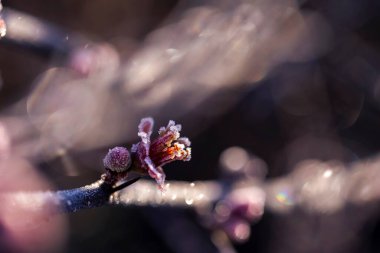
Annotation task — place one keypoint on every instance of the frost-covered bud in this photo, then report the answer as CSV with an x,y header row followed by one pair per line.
x,y
150,155
169,147
118,159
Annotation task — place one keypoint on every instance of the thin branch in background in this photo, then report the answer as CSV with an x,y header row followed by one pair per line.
x,y
320,189
125,184
176,194
30,32
304,188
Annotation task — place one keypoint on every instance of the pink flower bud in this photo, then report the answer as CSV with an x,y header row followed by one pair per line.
x,y
149,156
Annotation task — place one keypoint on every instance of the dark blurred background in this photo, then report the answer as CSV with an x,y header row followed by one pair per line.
x,y
302,84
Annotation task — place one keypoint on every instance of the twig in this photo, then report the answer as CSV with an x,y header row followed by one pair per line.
x,y
90,196
66,201
146,158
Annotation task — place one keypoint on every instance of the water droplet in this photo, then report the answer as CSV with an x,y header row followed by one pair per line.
x,y
192,185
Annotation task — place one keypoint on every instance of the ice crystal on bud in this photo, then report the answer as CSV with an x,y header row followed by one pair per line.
x,y
145,129
149,156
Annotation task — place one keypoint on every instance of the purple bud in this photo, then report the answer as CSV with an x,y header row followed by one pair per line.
x,y
118,159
